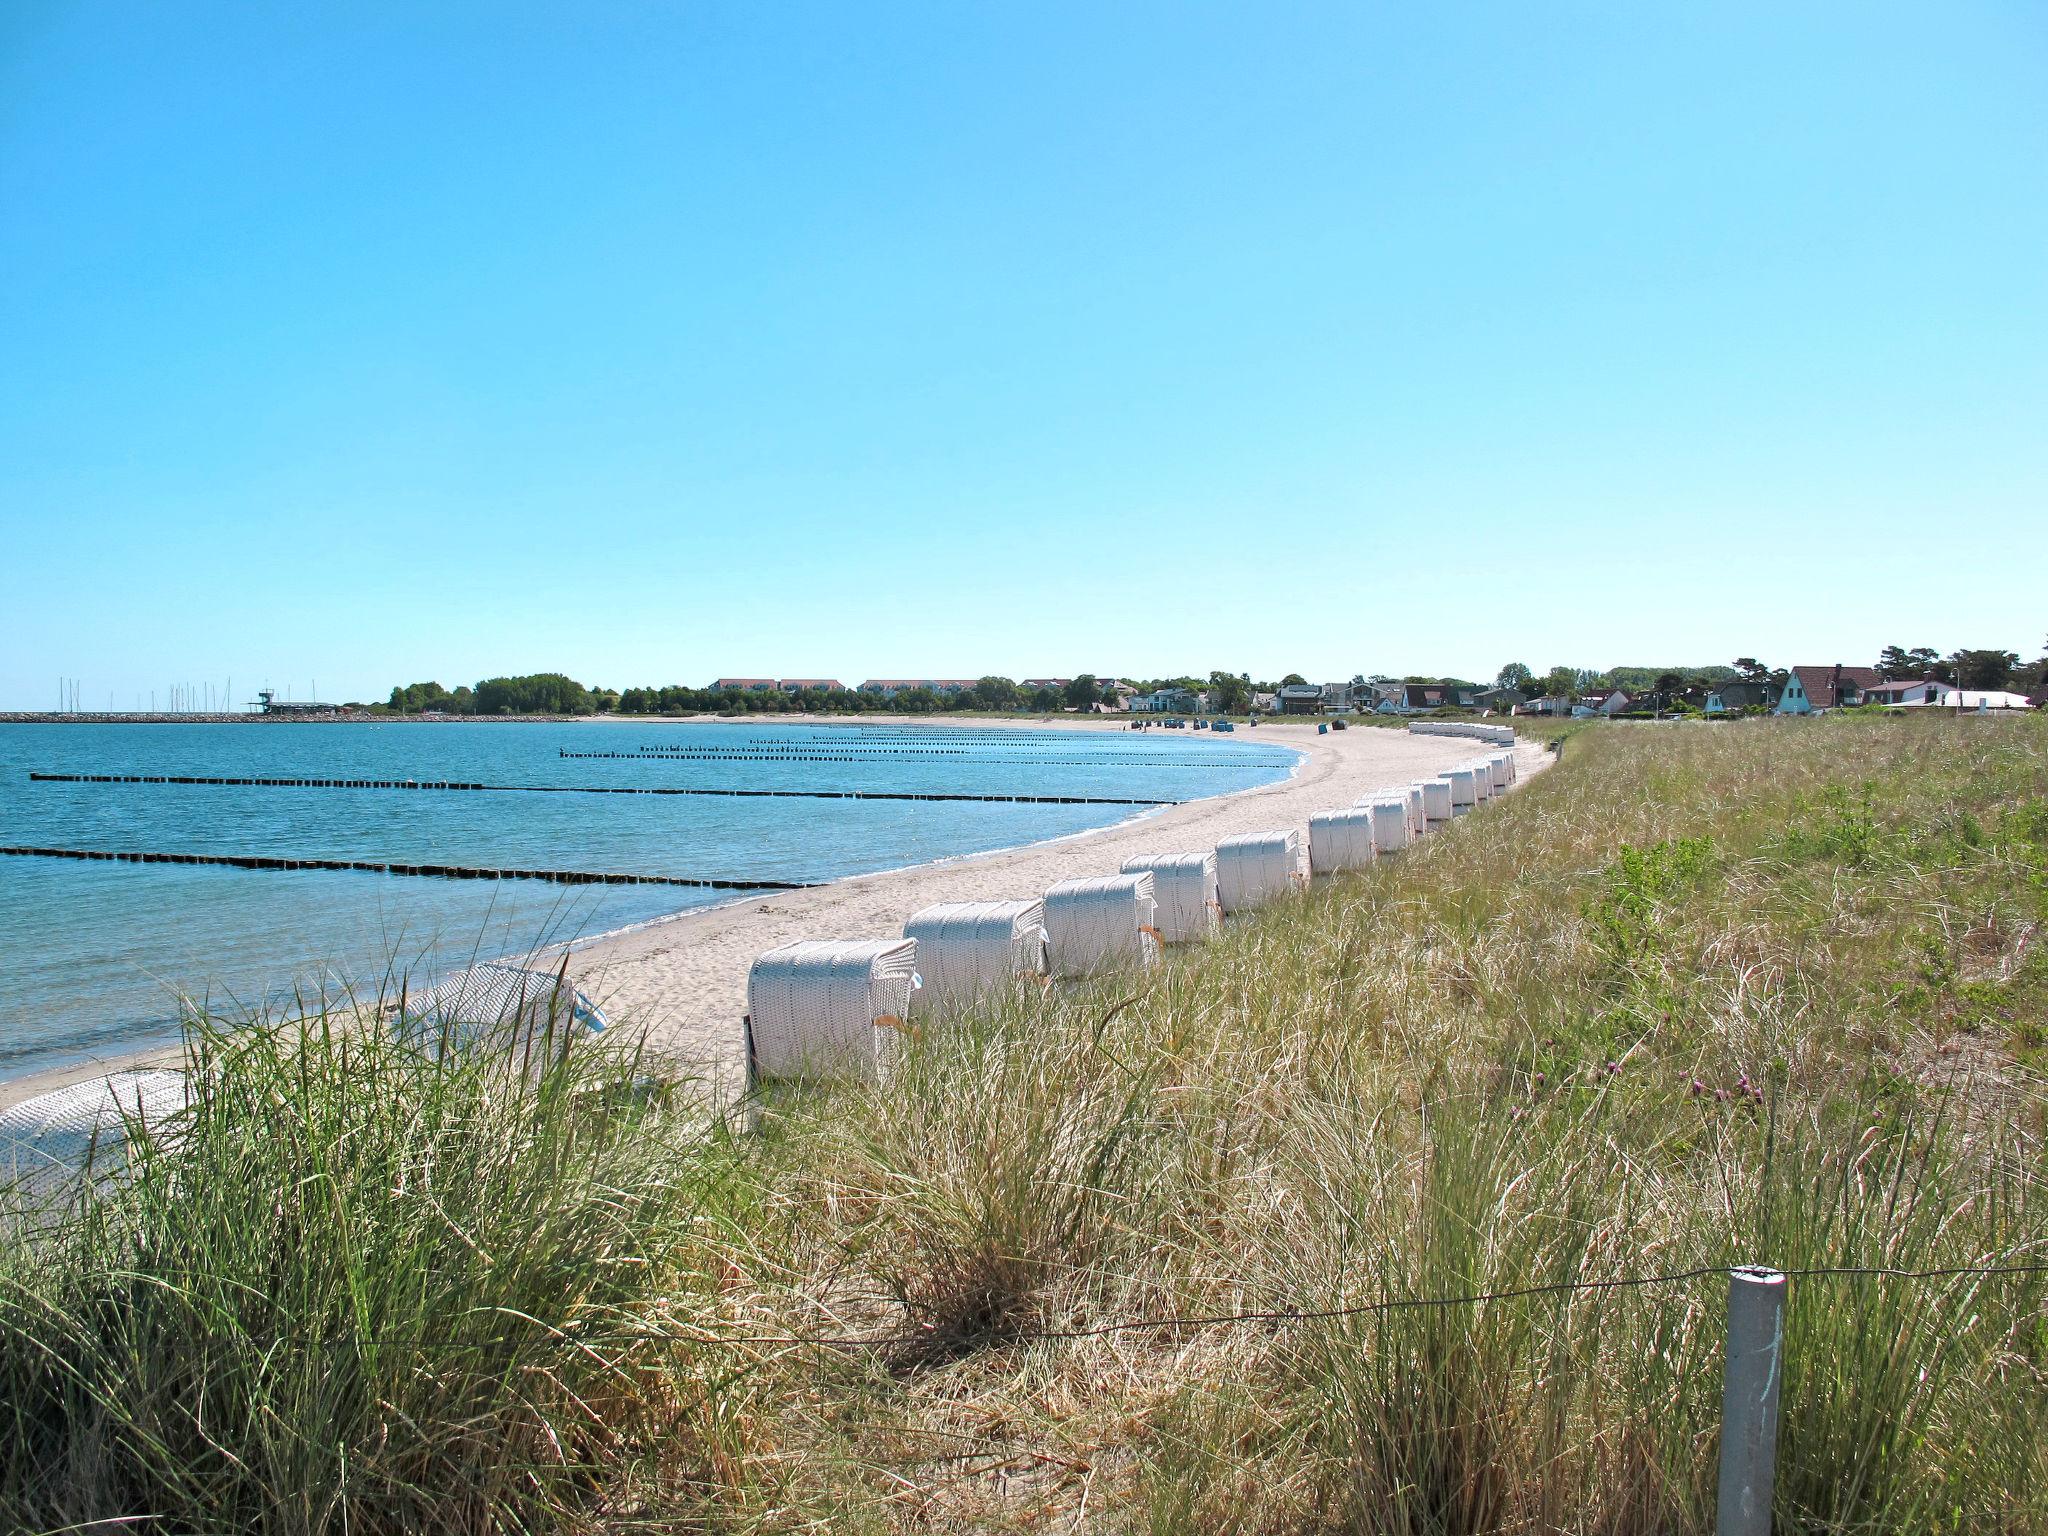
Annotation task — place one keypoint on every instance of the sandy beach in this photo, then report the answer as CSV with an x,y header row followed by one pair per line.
x,y
682,981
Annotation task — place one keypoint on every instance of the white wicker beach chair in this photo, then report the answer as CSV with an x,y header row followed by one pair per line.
x,y
969,949
1436,799
1500,767
1482,780
1464,792
1096,924
825,1009
1339,839
1418,813
1184,884
502,1004
1256,867
1390,830
46,1141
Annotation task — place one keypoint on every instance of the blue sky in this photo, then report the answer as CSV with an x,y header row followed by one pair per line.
x,y
375,343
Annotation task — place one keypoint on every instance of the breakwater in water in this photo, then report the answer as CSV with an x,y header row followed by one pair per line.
x,y
264,860
586,789
429,871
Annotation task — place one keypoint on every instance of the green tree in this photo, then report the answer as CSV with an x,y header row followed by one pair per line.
x,y
1230,694
1293,679
541,693
2032,677
1982,669
1513,675
1562,683
1752,670
414,697
1083,691
996,693
1044,700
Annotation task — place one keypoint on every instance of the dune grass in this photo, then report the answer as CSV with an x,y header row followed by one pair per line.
x,y
1770,992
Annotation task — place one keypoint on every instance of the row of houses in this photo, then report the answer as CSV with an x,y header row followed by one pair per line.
x,y
1805,690
890,687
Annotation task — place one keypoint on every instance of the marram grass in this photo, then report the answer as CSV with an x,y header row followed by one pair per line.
x,y
1701,995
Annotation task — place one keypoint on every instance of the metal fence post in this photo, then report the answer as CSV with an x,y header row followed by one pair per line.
x,y
1749,1400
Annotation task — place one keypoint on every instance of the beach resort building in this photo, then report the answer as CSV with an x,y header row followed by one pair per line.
x,y
944,687
813,684
744,685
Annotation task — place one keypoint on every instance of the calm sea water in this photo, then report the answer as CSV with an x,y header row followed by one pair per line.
x,y
94,957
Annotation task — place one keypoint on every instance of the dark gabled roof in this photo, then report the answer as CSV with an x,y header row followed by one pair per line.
x,y
1820,682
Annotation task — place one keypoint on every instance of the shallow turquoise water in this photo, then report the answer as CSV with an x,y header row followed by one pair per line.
x,y
94,956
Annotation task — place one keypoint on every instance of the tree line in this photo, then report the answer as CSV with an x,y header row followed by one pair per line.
x,y
552,693
1974,669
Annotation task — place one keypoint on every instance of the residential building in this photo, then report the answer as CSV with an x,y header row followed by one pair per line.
x,y
1434,696
1603,701
745,685
1735,695
1809,689
1924,691
1299,699
816,684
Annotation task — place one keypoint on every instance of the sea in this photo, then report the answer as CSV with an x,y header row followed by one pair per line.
x,y
99,958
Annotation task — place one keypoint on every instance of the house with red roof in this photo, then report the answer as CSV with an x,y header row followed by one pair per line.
x,y
1810,690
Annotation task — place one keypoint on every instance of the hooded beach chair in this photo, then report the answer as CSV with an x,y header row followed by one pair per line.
x,y
499,1004
47,1142
1339,839
1184,886
1101,923
824,1009
967,950
1256,867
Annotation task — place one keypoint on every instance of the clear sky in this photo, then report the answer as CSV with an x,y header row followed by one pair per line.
x,y
372,343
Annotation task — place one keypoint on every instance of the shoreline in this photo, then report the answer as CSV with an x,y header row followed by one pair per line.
x,y
677,981
43,1079
555,952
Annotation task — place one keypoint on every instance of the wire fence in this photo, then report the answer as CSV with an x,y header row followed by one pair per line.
x,y
686,1335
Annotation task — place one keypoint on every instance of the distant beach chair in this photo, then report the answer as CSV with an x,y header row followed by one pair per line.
x,y
967,950
495,1004
47,1141
1184,885
1339,839
1101,923
824,1009
1255,867
1501,769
